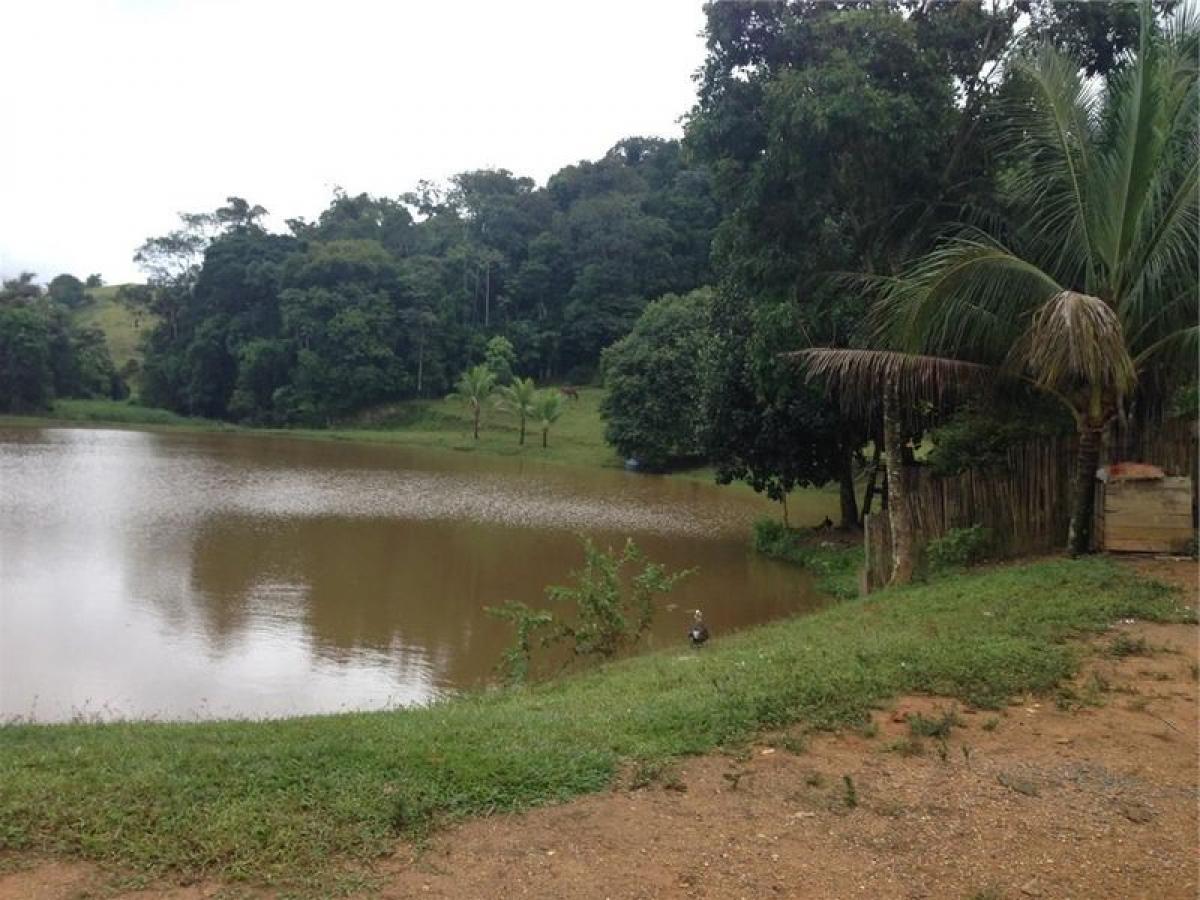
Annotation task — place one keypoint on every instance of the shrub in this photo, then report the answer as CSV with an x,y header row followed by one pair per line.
x,y
959,547
654,401
614,603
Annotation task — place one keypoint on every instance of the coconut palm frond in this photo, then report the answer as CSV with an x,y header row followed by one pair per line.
x,y
859,377
1129,157
1182,347
1051,131
967,298
1146,197
1076,339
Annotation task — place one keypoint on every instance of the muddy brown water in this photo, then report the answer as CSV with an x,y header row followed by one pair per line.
x,y
193,575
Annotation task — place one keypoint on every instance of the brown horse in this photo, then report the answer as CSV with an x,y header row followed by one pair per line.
x,y
569,392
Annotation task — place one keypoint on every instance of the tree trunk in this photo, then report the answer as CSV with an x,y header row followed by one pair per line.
x,y
545,431
1083,502
522,440
420,362
898,506
869,492
848,498
476,423
783,500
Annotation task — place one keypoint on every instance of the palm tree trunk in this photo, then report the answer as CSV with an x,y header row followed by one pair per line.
x,y
1083,501
545,431
522,440
476,423
898,506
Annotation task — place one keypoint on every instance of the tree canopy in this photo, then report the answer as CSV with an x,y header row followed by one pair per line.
x,y
381,299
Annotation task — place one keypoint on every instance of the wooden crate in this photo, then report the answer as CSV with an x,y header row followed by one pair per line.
x,y
1147,515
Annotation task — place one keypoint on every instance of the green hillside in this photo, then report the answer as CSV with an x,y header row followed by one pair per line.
x,y
123,328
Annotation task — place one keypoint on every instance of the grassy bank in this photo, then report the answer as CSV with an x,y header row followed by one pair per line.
x,y
834,558
294,801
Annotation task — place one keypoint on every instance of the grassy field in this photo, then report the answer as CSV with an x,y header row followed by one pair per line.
x,y
123,329
303,801
577,438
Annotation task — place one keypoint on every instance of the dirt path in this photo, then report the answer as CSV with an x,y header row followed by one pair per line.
x,y
1092,794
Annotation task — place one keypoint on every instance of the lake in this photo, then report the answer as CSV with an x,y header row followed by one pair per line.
x,y
207,575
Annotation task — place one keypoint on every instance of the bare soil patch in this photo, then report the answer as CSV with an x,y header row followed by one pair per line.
x,y
1092,793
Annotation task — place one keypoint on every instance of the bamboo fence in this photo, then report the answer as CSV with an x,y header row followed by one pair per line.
x,y
1025,504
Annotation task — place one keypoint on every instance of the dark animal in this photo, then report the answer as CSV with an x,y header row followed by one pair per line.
x,y
698,633
827,525
569,392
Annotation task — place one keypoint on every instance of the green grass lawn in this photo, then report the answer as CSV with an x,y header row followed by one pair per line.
x,y
577,438
296,801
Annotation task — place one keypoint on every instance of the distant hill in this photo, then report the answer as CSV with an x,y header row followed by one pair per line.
x,y
122,327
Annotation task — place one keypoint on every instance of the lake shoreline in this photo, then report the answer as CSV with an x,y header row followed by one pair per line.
x,y
302,801
434,425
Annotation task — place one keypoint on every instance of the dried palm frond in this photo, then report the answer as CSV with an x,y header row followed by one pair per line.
x,y
1075,339
859,377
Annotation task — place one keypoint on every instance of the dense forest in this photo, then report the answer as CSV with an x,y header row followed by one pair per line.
x,y
42,353
830,145
382,299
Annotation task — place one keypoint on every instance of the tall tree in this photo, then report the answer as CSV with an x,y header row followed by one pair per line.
x,y
1089,292
840,135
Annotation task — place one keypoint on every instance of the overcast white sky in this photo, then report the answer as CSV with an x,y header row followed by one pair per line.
x,y
120,113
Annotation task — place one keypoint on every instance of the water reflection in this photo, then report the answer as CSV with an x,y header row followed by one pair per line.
x,y
177,576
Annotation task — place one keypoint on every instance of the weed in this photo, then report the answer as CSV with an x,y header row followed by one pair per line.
x,y
734,778
1138,704
943,749
1018,783
959,547
987,893
411,815
814,779
796,745
991,723
869,729
907,746
1066,699
939,727
645,773
849,792
1124,645
1095,686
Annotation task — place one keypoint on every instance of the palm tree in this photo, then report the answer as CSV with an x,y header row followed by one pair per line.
x,y
519,397
1090,295
547,409
474,387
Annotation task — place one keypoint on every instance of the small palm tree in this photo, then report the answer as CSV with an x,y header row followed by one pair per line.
x,y
473,389
519,398
1090,293
547,409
